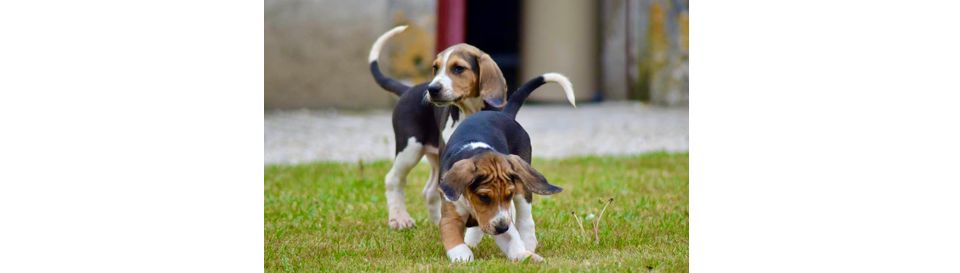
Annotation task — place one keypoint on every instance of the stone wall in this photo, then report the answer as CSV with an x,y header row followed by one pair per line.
x,y
315,51
645,51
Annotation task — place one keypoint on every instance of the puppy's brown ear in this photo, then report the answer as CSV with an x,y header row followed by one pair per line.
x,y
457,179
492,85
532,180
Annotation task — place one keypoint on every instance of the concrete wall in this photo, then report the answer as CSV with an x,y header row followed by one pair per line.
x,y
560,36
315,52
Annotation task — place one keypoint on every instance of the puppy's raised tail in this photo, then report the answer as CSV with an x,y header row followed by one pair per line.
x,y
389,84
518,97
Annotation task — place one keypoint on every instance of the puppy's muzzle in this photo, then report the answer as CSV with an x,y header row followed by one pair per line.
x,y
500,225
500,229
434,90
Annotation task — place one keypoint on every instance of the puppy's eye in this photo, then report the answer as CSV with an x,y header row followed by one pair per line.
x,y
484,198
514,177
457,69
435,69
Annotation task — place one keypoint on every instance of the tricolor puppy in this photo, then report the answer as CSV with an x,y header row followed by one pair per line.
x,y
487,173
465,78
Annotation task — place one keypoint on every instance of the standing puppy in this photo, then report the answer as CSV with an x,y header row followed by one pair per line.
x,y
465,78
486,171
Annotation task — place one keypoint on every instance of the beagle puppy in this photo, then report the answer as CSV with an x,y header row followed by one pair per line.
x,y
466,81
488,182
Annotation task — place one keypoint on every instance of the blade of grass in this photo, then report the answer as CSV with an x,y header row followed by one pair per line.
x,y
596,224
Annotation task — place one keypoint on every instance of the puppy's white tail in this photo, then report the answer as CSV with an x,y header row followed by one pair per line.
x,y
386,83
517,98
378,45
564,83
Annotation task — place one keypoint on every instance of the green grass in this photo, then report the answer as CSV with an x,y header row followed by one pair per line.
x,y
332,217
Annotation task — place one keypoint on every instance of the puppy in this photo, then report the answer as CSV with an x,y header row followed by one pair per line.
x,y
487,173
466,80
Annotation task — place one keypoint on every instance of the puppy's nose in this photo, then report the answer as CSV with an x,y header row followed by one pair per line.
x,y
501,229
434,89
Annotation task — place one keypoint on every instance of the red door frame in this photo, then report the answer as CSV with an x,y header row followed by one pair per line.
x,y
451,23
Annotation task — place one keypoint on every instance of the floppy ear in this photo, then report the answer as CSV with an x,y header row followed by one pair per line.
x,y
532,180
492,85
457,179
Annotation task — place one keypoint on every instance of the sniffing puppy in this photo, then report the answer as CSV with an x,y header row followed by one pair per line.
x,y
487,173
466,79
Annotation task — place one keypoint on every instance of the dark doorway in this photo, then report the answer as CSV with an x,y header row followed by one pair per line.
x,y
494,27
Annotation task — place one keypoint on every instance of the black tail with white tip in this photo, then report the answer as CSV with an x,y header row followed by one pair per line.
x,y
389,84
518,97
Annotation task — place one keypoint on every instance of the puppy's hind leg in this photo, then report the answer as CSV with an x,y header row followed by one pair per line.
x,y
396,179
430,193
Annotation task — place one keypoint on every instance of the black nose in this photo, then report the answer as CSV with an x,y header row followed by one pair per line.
x,y
434,89
501,229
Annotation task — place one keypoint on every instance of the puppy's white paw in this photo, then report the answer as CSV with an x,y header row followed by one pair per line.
x,y
460,253
530,242
528,255
401,220
536,258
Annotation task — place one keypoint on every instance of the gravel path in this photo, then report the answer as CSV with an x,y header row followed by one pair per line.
x,y
613,128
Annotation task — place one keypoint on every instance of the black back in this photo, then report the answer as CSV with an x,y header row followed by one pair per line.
x,y
415,117
496,129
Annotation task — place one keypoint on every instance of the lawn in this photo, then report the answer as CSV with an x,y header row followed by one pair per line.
x,y
332,217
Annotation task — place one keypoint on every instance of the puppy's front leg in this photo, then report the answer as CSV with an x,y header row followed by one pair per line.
x,y
524,222
473,236
451,232
512,246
